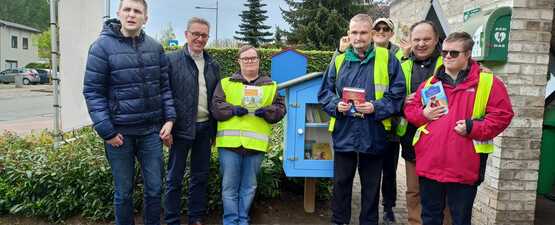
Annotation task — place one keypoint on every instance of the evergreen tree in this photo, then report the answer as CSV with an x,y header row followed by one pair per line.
x,y
319,25
33,13
252,29
278,37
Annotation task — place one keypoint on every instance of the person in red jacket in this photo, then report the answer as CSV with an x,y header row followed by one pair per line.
x,y
447,161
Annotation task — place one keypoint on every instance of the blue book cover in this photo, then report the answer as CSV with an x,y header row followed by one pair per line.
x,y
436,95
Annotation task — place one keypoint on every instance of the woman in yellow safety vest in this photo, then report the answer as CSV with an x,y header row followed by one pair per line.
x,y
245,105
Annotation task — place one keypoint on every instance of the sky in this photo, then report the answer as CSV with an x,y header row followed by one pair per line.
x,y
177,12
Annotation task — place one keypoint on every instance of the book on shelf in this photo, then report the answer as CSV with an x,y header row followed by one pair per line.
x,y
308,149
309,115
316,115
321,151
435,96
324,116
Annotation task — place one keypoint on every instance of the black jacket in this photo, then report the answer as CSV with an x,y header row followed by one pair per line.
x,y
126,84
183,74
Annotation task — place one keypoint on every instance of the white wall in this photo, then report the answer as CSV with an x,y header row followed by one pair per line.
x,y
80,24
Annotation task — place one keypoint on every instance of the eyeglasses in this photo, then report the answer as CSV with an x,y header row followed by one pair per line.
x,y
198,34
380,29
249,59
452,53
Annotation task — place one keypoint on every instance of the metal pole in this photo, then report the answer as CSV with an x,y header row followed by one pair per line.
x,y
217,7
55,77
213,8
106,10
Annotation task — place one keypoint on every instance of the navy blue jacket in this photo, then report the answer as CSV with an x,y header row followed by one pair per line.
x,y
126,84
183,74
364,135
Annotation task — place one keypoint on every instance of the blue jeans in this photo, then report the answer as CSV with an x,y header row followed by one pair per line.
x,y
148,151
239,173
460,198
200,168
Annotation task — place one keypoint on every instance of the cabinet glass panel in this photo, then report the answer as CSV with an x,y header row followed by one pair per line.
x,y
317,143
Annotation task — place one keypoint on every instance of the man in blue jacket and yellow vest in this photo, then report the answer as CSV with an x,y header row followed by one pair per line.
x,y
245,106
359,128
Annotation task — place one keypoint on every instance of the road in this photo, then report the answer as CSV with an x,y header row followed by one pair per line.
x,y
25,109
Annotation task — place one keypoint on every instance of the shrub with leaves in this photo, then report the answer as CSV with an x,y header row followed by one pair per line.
x,y
37,181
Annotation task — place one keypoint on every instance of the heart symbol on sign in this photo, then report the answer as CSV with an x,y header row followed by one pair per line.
x,y
500,36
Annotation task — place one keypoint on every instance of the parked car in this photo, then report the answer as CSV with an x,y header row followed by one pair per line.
x,y
44,75
30,76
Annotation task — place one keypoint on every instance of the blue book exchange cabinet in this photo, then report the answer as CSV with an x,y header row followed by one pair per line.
x,y
308,150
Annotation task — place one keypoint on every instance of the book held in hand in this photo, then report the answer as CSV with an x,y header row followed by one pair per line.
x,y
353,96
252,98
435,96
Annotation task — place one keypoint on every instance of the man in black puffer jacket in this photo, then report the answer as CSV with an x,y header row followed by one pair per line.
x,y
193,78
127,91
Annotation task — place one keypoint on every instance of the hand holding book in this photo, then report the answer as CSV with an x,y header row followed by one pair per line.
x,y
433,111
343,106
365,107
433,96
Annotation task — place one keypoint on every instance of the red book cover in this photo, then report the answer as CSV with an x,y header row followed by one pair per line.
x,y
353,95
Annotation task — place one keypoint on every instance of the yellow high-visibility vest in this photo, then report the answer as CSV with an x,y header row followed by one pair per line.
x,y
483,91
249,131
381,79
399,54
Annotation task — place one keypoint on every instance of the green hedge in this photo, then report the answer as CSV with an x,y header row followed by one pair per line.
x,y
38,66
36,181
76,180
227,58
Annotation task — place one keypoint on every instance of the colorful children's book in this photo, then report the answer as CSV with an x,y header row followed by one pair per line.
x,y
252,98
435,95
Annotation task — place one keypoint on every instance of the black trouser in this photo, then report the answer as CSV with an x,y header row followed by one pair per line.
x,y
460,198
389,179
370,169
199,149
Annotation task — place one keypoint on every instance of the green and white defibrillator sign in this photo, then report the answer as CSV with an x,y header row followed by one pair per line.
x,y
490,31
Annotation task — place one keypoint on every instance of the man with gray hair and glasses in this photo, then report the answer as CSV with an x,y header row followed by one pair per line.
x,y
193,78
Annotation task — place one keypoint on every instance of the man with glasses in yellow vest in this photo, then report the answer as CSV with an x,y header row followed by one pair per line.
x,y
453,140
359,128
246,104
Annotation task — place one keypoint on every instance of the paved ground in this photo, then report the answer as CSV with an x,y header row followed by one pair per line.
x,y
23,110
545,208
